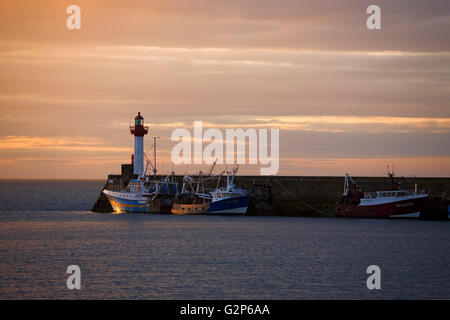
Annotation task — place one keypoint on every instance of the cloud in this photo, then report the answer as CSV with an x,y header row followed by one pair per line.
x,y
60,144
355,124
321,24
203,80
350,124
409,166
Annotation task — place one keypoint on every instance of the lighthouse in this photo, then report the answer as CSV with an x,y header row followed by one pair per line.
x,y
139,131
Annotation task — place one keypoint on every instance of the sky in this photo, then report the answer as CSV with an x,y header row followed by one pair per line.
x,y
345,98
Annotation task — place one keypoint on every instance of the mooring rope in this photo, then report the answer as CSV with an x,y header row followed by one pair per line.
x,y
304,203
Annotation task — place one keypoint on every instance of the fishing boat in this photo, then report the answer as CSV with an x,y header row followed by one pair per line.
x,y
143,193
194,197
192,201
394,202
231,199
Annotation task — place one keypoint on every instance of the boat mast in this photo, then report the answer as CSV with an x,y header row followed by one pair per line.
x,y
154,156
346,185
235,170
347,181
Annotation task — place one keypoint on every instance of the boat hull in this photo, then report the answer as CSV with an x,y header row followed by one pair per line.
x,y
230,206
409,208
162,204
190,209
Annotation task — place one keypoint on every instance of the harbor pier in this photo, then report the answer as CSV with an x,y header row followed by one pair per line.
x,y
313,196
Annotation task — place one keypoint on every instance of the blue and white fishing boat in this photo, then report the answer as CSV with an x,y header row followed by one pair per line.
x,y
143,193
229,200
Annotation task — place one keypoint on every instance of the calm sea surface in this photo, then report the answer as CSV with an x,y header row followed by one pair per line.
x,y
46,226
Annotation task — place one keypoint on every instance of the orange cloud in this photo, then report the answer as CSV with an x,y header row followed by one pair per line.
x,y
63,144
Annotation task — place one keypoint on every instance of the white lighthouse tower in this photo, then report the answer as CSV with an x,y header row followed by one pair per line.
x,y
139,131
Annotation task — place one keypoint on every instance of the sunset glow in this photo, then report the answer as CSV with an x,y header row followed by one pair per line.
x,y
344,98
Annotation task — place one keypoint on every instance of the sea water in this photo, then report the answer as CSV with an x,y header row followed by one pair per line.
x,y
45,226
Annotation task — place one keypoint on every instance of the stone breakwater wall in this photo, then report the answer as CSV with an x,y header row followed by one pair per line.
x,y
316,196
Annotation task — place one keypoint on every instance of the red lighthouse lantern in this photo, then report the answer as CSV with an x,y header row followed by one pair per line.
x,y
138,129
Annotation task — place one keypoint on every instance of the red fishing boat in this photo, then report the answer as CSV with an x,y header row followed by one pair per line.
x,y
395,202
